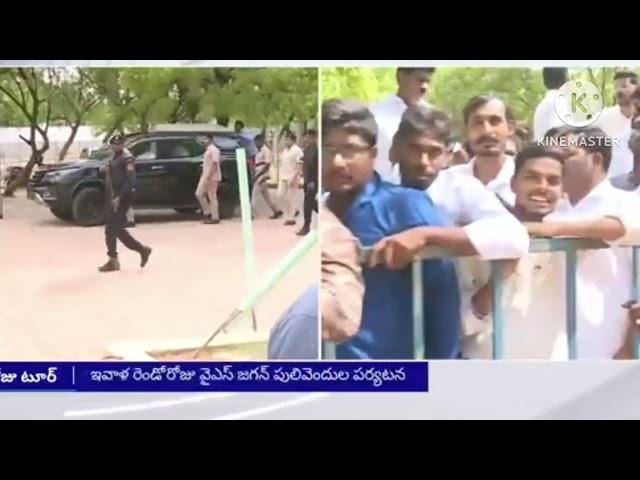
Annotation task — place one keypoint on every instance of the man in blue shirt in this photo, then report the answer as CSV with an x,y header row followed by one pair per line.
x,y
373,209
295,336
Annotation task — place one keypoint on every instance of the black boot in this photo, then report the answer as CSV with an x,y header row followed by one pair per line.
x,y
144,256
303,231
112,265
276,215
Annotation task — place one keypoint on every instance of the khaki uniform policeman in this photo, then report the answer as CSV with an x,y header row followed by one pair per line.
x,y
207,191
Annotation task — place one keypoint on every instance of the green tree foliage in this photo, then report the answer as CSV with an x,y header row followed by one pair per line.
x,y
29,91
367,84
520,88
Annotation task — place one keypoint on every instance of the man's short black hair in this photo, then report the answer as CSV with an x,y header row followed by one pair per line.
x,y
632,76
428,70
591,139
352,116
420,119
478,101
536,150
117,140
290,135
552,132
209,136
311,131
554,77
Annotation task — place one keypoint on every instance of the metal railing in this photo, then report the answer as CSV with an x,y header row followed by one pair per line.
x,y
570,247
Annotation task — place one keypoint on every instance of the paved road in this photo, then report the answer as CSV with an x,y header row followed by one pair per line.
x,y
56,306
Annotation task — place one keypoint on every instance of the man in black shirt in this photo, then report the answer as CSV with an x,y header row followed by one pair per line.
x,y
120,182
310,175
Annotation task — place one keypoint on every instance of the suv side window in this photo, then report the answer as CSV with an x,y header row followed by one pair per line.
x,y
144,150
179,148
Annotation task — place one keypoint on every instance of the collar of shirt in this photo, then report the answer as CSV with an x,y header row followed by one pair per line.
x,y
603,191
368,192
501,184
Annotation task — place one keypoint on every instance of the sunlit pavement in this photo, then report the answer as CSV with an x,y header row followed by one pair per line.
x,y
54,305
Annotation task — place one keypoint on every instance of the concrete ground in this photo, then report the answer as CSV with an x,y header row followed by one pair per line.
x,y
55,305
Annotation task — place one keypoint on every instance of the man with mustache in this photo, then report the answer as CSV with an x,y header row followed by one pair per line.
x,y
616,122
413,87
489,125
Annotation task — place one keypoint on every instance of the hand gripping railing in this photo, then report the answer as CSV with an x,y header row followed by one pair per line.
x,y
569,246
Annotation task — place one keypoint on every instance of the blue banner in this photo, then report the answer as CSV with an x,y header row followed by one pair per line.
x,y
215,376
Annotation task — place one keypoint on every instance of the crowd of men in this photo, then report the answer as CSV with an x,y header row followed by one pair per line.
x,y
395,184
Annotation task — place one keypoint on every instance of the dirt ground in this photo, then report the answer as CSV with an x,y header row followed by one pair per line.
x,y
55,305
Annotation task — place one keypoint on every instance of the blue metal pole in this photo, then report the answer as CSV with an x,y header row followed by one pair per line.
x,y
498,314
570,294
328,350
418,311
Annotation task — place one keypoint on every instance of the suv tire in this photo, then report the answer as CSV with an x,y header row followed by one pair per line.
x,y
186,210
88,207
61,214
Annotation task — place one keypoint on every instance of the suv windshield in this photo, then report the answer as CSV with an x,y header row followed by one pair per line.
x,y
102,153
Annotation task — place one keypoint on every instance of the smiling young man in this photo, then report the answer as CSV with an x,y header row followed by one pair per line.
x,y
373,209
533,291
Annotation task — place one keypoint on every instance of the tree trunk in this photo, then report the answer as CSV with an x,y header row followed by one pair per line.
x,y
69,142
23,178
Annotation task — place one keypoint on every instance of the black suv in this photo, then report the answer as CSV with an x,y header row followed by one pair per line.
x,y
168,167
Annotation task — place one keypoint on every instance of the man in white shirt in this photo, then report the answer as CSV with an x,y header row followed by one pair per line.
x,y
604,276
413,86
489,125
210,178
545,116
290,168
616,122
261,176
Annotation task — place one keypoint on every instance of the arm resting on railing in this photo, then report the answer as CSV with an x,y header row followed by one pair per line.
x,y
608,229
399,250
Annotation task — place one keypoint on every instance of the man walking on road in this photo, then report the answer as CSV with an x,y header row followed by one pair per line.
x,y
289,175
120,181
261,181
310,175
207,191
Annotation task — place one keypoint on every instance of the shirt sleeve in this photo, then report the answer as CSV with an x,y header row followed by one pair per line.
x,y
295,335
492,229
342,284
625,208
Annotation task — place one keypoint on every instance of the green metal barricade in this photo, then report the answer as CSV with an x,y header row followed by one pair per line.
x,y
570,246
